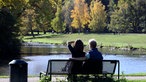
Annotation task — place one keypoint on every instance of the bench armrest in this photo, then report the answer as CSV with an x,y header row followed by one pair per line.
x,y
42,74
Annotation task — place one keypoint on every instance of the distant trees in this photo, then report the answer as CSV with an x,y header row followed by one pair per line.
x,y
122,16
57,23
98,16
44,14
66,11
80,14
129,16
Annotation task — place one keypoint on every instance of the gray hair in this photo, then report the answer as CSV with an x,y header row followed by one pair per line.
x,y
92,43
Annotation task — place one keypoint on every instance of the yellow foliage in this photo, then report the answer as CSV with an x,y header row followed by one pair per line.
x,y
80,14
98,15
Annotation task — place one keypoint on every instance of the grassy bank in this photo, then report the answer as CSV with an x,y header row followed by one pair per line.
x,y
122,40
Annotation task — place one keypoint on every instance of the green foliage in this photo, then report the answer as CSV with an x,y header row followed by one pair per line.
x,y
9,41
44,14
45,79
123,16
15,6
66,10
129,16
57,23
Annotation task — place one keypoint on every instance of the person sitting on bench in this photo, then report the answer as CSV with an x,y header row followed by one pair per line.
x,y
93,63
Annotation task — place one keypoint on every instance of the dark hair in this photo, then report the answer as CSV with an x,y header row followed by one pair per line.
x,y
79,46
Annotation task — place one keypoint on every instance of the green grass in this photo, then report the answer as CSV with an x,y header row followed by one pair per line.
x,y
122,40
4,76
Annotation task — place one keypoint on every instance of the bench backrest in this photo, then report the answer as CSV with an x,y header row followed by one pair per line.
x,y
62,66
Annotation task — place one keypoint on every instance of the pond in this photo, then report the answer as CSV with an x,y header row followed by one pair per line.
x,y
128,64
37,57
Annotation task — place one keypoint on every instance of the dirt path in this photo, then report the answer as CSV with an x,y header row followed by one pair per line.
x,y
36,79
136,77
31,79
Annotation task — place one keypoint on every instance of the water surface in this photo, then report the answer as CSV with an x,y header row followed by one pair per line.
x,y
128,64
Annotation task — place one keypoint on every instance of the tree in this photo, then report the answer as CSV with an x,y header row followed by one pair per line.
x,y
137,17
10,43
37,16
129,16
118,21
66,10
44,14
80,14
98,16
28,23
16,6
57,23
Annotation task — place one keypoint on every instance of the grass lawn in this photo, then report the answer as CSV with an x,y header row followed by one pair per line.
x,y
122,40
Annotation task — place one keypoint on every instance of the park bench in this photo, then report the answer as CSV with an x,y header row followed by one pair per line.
x,y
56,66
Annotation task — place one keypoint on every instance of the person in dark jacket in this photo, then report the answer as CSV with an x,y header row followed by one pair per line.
x,y
93,65
77,50
93,54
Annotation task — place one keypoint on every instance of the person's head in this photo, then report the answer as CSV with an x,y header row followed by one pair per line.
x,y
92,43
79,46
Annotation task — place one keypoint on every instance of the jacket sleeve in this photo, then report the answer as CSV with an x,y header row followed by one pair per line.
x,y
71,48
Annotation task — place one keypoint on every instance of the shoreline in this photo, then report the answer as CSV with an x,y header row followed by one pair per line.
x,y
99,46
107,48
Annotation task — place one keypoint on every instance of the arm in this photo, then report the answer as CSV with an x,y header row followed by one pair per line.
x,y
80,58
70,44
87,56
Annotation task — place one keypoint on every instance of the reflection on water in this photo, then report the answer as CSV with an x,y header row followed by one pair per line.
x,y
49,49
41,50
128,64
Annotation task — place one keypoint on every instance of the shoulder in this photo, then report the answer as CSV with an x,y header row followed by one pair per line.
x,y
87,55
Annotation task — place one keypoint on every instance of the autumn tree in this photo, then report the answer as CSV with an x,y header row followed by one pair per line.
x,y
66,10
98,16
80,14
